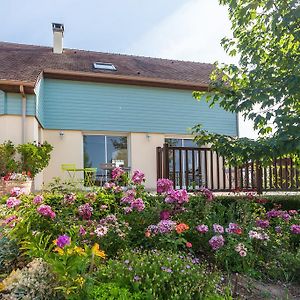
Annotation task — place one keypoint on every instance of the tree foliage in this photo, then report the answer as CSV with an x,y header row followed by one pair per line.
x,y
265,86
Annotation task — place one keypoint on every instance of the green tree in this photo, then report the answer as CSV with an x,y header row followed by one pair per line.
x,y
265,86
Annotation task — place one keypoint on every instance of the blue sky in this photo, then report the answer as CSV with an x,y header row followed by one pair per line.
x,y
175,29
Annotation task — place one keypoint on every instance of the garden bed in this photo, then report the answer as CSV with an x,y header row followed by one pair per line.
x,y
119,242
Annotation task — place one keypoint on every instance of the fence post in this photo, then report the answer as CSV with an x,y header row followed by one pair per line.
x,y
158,162
259,180
166,161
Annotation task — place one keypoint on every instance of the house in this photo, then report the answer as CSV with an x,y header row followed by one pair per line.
x,y
100,107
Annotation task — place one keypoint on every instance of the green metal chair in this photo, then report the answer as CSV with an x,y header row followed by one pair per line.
x,y
90,176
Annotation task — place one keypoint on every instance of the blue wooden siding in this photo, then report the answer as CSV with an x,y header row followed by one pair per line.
x,y
110,107
11,104
2,100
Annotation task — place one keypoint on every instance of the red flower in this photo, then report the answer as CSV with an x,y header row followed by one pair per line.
x,y
189,245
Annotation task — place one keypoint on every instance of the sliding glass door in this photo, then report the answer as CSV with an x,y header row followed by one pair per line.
x,y
101,149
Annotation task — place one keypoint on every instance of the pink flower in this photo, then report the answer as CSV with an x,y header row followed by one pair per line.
x,y
189,245
38,199
207,194
243,253
293,212
101,230
82,231
262,223
127,210
202,228
216,242
46,211
16,192
138,204
218,228
85,211
116,173
12,202
233,228
177,197
129,196
165,215
69,198
164,185
11,220
138,177
295,229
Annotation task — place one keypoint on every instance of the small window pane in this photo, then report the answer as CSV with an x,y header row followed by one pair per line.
x,y
117,150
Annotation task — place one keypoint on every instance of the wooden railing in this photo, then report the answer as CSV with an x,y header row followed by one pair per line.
x,y
195,168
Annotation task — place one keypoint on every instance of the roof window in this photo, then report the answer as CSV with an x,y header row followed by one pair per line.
x,y
104,66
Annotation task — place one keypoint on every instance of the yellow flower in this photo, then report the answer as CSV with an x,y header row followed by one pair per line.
x,y
79,250
54,242
96,251
59,250
2,287
80,280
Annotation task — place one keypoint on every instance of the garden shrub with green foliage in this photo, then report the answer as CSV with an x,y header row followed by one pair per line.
x,y
86,240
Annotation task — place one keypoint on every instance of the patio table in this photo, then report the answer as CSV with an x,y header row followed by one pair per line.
x,y
89,174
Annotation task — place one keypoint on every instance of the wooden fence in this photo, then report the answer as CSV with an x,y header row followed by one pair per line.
x,y
195,168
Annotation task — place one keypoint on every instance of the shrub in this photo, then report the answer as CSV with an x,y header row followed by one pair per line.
x,y
8,255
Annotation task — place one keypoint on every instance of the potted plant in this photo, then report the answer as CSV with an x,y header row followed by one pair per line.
x,y
21,164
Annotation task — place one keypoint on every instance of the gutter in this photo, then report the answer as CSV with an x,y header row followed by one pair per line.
x,y
23,113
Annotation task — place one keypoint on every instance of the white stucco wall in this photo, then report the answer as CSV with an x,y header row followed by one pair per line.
x,y
68,149
143,155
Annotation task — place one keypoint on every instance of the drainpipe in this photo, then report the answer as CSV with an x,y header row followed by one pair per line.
x,y
23,114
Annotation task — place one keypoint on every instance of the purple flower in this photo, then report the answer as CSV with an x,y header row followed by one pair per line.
x,y
153,229
110,219
258,235
262,223
69,198
116,173
274,213
138,177
177,197
286,217
63,240
164,185
38,199
202,228
218,228
295,229
46,211
85,211
166,226
216,242
129,197
165,215
12,202
136,278
278,229
293,212
127,210
233,228
138,204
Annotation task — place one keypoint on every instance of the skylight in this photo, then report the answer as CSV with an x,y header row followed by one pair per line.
x,y
104,66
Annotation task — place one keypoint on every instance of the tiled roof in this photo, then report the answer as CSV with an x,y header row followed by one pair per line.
x,y
24,63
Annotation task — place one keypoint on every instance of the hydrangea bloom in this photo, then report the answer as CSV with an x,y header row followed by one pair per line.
x,y
218,228
129,196
216,242
38,199
253,234
101,230
85,211
12,202
138,177
138,204
69,198
116,173
262,223
166,226
63,240
295,229
164,185
46,211
164,215
202,228
177,197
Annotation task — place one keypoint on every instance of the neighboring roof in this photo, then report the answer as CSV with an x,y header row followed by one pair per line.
x,y
24,63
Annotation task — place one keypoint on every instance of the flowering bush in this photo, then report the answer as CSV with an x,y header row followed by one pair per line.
x,y
84,233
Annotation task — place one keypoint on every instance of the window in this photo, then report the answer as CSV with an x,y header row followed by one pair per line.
x,y
104,66
180,142
100,149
